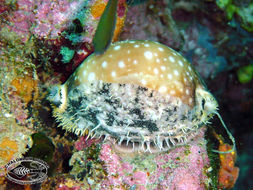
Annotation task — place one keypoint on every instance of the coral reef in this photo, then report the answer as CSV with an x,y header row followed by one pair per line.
x,y
15,140
47,19
18,87
61,26
182,168
41,44
103,167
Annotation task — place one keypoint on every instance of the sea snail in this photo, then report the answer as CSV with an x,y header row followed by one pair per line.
x,y
140,93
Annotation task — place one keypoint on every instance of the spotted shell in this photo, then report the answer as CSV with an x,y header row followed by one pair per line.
x,y
139,93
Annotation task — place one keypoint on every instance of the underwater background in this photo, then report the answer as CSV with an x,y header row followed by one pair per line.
x,y
42,42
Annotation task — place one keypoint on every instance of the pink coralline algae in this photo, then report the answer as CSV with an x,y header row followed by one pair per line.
x,y
55,16
83,143
42,18
120,173
183,168
184,175
48,19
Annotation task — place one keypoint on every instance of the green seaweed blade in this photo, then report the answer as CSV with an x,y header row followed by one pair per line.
x,y
105,29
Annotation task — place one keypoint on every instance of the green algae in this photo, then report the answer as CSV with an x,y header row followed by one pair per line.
x,y
245,74
67,54
244,12
105,29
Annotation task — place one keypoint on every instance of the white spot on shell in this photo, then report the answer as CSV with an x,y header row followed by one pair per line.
x,y
163,68
84,72
172,59
143,81
176,72
117,47
160,49
156,71
187,92
135,62
104,64
169,76
146,45
113,73
180,63
121,64
162,89
136,45
148,55
91,76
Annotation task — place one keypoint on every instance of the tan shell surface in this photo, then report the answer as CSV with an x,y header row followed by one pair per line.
x,y
148,64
